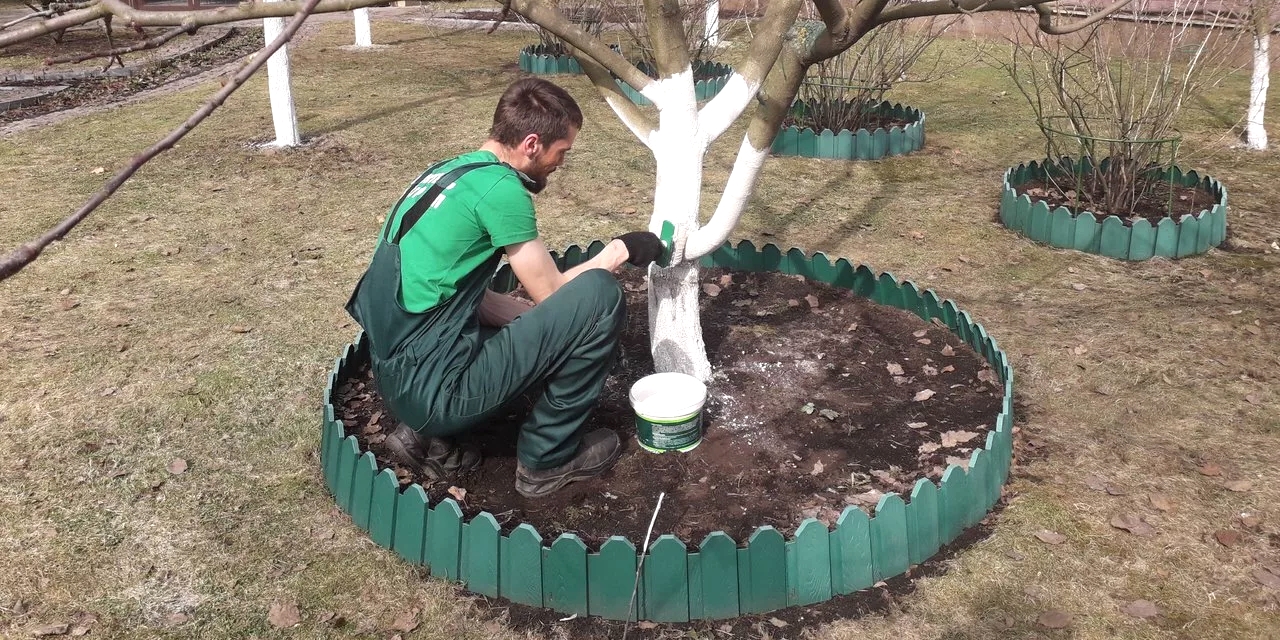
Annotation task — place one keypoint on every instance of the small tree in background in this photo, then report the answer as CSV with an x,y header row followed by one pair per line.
x,y
1114,92
1260,22
843,92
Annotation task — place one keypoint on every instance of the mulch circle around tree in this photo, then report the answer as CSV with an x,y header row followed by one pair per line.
x,y
820,400
101,90
1155,203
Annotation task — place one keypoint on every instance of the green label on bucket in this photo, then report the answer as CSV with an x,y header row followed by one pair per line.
x,y
669,436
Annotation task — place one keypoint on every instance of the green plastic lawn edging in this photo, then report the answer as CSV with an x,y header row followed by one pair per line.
x,y
1109,236
854,145
718,578
716,75
537,59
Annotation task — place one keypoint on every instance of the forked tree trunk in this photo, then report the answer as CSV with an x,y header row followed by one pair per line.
x,y
1255,133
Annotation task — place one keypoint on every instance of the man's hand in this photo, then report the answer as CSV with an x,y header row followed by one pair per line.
x,y
643,247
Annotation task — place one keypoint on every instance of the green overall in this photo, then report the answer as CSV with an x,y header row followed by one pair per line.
x,y
441,374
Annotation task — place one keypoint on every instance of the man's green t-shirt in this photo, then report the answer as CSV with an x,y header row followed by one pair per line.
x,y
486,209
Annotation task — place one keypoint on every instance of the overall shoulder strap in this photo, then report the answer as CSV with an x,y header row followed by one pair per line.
x,y
420,207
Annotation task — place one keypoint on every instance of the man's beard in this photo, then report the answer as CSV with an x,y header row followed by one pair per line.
x,y
535,184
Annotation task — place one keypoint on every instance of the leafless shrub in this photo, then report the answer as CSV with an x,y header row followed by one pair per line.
x,y
1114,91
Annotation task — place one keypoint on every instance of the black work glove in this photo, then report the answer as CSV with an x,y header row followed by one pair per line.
x,y
643,247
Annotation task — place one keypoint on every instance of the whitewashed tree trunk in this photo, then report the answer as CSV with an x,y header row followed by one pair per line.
x,y
712,24
364,33
282,113
1255,133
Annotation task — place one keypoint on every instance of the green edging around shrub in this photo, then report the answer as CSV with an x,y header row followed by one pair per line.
x,y
1109,236
536,59
717,578
716,74
850,145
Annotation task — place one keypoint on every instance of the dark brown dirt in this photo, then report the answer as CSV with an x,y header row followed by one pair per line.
x,y
869,122
104,90
805,417
1158,199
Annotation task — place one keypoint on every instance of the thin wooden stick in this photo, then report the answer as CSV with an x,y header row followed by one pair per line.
x,y
626,625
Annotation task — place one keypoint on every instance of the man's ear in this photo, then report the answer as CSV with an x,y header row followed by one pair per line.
x,y
531,145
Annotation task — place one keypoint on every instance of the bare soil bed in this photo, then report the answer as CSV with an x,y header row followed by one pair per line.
x,y
1158,199
821,400
105,89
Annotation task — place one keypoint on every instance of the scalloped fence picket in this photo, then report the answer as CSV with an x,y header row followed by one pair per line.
x,y
717,579
855,145
1109,236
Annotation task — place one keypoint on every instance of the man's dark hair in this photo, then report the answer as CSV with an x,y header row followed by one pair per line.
x,y
534,105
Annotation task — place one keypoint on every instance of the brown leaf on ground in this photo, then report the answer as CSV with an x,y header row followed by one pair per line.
x,y
1055,619
812,300
1253,398
1095,483
1227,537
921,333
1078,287
869,498
406,621
174,619
726,280
929,370
1050,537
55,629
1160,501
948,351
988,376
917,425
1266,578
817,468
1250,521
923,395
1141,609
963,463
777,622
711,289
1133,524
948,369
894,369
953,438
284,615
177,466
1239,486
239,328
458,493
929,447
1210,469
67,304
645,624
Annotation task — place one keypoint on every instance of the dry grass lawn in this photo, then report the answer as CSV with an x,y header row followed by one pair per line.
x,y
195,315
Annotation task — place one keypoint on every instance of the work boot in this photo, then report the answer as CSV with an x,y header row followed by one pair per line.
x,y
433,458
596,453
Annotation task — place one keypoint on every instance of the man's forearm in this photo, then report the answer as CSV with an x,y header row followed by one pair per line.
x,y
497,310
610,259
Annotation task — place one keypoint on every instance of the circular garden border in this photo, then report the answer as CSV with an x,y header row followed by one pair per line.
x,y
717,579
716,74
859,145
1109,236
535,59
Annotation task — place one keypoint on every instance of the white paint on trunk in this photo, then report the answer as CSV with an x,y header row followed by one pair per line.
x,y
675,328
364,32
617,104
738,189
282,113
672,92
723,109
1255,133
711,28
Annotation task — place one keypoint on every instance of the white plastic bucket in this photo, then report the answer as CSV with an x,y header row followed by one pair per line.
x,y
668,409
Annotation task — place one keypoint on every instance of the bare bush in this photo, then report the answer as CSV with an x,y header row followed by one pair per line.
x,y
1114,91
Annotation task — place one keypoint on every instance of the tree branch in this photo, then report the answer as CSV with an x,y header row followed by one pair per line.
x,y
149,43
27,253
242,11
551,19
666,32
60,23
749,75
629,112
1047,26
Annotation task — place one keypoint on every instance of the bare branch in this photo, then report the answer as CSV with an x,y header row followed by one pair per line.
x,y
631,114
60,23
833,14
551,19
742,88
27,253
666,33
837,38
1047,26
149,43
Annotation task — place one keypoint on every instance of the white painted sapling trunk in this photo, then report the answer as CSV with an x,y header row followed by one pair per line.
x,y
364,33
1255,135
679,147
282,113
711,24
